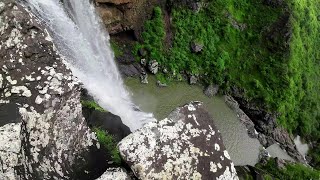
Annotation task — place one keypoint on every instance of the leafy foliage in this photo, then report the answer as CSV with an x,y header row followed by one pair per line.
x,y
153,36
109,144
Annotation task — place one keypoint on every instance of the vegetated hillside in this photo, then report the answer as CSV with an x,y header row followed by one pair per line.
x,y
269,48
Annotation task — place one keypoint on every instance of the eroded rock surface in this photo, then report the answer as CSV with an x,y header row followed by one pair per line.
x,y
124,15
186,145
43,134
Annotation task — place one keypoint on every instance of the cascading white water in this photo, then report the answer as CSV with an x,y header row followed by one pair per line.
x,y
79,35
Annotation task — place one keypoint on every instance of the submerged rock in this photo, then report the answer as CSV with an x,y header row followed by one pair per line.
x,y
144,78
45,136
186,145
160,84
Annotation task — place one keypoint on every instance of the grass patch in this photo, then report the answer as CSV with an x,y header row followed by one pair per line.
x,y
108,142
92,105
290,172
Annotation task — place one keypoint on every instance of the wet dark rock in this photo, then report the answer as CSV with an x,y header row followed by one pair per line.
x,y
211,90
107,121
186,145
153,66
250,172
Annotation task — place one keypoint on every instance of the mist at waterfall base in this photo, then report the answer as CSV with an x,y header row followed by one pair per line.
x,y
80,37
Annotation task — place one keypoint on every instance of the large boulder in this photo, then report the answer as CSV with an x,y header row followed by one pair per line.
x,y
43,134
186,145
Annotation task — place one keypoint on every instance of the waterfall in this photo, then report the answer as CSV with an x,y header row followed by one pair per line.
x,y
81,38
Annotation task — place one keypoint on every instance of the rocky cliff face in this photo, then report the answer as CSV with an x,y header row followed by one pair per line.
x,y
43,134
123,15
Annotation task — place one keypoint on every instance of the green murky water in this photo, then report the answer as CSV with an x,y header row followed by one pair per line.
x,y
161,101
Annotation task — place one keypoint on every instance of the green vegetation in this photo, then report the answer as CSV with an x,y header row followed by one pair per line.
x,y
246,45
315,155
92,105
116,49
290,171
153,36
109,144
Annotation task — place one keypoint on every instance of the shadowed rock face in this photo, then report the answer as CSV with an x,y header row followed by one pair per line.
x,y
43,134
186,145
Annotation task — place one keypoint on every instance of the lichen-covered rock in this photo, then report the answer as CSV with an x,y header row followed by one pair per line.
x,y
43,134
114,174
186,145
153,66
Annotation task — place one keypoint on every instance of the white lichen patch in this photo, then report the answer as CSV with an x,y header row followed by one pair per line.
x,y
21,90
213,167
216,147
226,154
12,82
